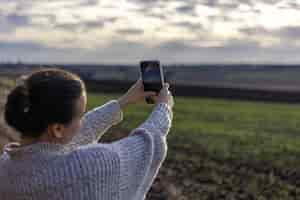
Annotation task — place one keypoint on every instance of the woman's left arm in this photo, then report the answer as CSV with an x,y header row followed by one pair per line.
x,y
96,122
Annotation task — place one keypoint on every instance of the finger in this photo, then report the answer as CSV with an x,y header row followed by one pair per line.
x,y
166,85
140,80
149,94
139,83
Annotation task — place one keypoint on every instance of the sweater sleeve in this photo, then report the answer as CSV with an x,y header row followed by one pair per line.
x,y
96,122
142,152
158,124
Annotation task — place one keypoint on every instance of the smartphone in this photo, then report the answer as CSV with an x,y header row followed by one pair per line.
x,y
152,76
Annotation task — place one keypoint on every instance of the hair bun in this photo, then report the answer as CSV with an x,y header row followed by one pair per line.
x,y
17,107
31,108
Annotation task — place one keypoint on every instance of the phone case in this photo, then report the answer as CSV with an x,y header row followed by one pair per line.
x,y
149,100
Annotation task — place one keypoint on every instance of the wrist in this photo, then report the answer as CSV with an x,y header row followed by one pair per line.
x,y
123,102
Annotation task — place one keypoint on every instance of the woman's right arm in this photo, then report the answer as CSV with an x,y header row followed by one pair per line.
x,y
144,150
158,125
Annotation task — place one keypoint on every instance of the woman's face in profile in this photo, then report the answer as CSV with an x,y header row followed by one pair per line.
x,y
72,128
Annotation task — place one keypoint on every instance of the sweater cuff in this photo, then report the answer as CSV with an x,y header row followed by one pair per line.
x,y
159,121
165,108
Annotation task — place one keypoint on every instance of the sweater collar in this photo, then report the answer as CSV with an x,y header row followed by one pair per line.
x,y
15,149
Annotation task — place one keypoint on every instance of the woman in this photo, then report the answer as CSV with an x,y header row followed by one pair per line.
x,y
59,158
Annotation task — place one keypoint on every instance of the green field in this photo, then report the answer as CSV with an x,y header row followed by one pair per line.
x,y
224,148
226,128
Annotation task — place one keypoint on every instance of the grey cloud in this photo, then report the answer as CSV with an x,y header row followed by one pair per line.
x,y
68,26
189,25
211,3
51,18
111,19
10,22
172,45
145,1
186,9
18,20
86,25
170,51
81,3
272,2
291,32
254,30
20,46
220,18
33,52
287,32
93,24
161,16
176,51
233,51
217,4
146,6
294,5
148,11
89,3
230,46
82,26
130,31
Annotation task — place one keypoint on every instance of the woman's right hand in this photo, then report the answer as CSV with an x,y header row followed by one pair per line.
x,y
165,96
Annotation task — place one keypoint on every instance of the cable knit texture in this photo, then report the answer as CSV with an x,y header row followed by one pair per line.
x,y
84,169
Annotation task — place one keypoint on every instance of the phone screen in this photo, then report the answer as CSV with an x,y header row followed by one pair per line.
x,y
151,75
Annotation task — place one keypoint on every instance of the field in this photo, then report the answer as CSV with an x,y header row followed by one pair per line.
x,y
223,148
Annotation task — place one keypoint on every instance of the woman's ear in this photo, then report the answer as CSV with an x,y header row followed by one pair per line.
x,y
56,130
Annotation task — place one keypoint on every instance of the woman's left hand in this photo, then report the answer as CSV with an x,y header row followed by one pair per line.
x,y
135,94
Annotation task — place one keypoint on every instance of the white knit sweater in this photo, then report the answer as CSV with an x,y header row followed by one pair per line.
x,y
84,169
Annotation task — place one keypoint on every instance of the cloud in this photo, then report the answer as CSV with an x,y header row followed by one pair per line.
x,y
86,25
130,31
287,32
186,9
176,51
189,25
227,5
20,46
174,30
293,5
259,30
291,32
18,20
89,3
10,22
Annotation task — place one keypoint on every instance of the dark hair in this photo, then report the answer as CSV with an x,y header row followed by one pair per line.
x,y
45,97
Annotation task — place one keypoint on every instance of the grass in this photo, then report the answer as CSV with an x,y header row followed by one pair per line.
x,y
225,129
6,82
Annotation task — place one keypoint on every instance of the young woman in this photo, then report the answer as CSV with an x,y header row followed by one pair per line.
x,y
59,158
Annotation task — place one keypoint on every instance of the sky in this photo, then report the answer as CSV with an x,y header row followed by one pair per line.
x,y
127,31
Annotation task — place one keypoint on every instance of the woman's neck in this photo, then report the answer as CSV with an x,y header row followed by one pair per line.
x,y
32,140
28,141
